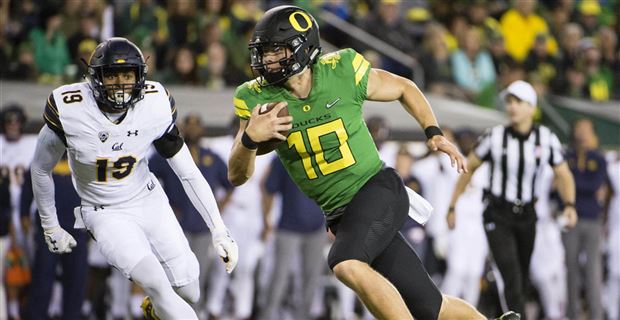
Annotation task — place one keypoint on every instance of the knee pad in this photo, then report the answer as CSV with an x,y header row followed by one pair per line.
x,y
189,292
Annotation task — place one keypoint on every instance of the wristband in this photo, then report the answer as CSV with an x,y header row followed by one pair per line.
x,y
247,142
451,209
432,131
569,205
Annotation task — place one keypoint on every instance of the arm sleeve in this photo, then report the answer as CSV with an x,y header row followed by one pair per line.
x,y
48,151
196,187
170,143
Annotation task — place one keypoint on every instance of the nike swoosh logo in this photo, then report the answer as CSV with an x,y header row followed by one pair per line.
x,y
331,104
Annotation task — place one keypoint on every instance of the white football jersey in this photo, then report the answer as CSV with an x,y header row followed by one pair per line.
x,y
109,161
15,158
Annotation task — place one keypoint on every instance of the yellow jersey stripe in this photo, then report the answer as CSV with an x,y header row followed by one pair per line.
x,y
51,106
245,114
357,61
240,104
359,74
51,121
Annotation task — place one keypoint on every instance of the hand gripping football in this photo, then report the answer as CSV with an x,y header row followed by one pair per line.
x,y
270,145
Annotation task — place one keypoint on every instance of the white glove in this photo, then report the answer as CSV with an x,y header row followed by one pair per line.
x,y
58,240
226,247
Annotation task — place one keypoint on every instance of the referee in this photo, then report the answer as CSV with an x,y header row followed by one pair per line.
x,y
516,154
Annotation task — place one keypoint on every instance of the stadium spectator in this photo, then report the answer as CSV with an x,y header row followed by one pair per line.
x,y
599,77
610,55
23,66
51,54
387,24
559,16
88,30
437,65
478,15
213,67
182,23
540,65
472,65
589,11
184,70
520,25
145,22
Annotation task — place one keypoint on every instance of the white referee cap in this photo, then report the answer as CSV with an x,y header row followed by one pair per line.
x,y
522,90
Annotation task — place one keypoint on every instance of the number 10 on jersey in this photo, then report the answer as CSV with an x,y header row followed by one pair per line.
x,y
296,140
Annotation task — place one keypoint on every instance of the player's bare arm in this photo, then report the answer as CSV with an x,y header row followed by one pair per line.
x,y
566,188
385,86
242,158
473,163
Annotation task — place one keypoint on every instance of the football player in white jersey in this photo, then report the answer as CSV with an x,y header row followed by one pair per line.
x,y
16,152
107,125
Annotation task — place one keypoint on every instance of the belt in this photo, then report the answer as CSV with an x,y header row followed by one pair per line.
x,y
517,207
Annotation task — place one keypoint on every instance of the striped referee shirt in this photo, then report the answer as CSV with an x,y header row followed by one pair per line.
x,y
516,159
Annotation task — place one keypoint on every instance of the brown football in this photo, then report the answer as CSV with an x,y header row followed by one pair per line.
x,y
270,145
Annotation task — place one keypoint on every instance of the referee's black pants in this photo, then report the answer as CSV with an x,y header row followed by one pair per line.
x,y
511,232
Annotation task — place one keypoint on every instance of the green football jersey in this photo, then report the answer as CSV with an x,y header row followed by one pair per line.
x,y
329,153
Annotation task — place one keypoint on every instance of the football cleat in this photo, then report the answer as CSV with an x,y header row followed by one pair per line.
x,y
148,310
510,315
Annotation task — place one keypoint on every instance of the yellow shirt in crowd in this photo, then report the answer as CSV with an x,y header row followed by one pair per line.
x,y
520,32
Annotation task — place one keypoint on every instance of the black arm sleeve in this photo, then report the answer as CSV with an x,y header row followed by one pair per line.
x,y
52,118
170,143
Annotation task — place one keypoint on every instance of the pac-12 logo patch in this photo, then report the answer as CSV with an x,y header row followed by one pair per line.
x,y
103,136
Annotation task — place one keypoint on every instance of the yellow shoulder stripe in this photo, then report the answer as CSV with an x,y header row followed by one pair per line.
x,y
357,61
241,108
49,103
51,121
360,65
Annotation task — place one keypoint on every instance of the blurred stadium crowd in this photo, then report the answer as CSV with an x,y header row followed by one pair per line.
x,y
466,49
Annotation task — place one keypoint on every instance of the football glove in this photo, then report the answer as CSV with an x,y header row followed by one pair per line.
x,y
58,240
226,247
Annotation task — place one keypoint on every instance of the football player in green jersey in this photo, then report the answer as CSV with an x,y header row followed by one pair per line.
x,y
331,156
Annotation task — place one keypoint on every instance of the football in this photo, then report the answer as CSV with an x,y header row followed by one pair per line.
x,y
270,145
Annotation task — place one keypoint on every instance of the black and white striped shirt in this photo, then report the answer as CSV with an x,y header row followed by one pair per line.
x,y
516,159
